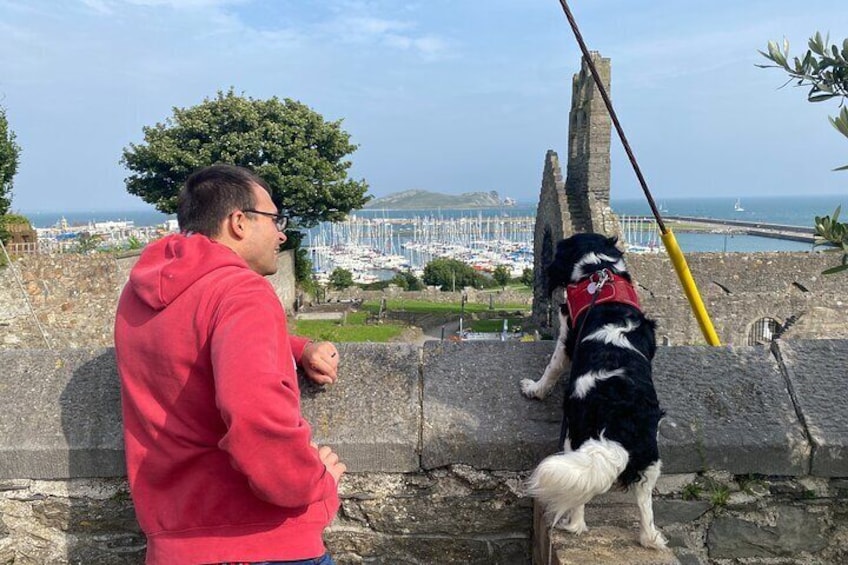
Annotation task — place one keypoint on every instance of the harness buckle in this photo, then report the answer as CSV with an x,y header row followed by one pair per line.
x,y
598,280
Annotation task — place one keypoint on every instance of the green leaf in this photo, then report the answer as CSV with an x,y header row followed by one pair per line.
x,y
834,270
820,97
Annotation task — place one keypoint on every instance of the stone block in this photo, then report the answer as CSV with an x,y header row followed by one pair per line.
x,y
601,545
793,531
360,546
727,408
60,414
474,412
372,415
817,373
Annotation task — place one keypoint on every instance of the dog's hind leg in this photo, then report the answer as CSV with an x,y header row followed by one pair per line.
x,y
649,537
556,367
576,521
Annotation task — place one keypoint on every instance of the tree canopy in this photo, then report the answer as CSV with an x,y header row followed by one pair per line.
x,y
9,154
300,156
451,274
341,278
502,275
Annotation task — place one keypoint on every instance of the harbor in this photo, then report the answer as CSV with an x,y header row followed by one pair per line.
x,y
376,248
376,244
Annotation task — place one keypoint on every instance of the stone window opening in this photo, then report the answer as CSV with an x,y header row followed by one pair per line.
x,y
764,331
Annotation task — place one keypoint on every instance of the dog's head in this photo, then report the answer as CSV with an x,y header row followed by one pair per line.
x,y
582,254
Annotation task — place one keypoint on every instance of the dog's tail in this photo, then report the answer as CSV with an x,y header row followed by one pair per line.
x,y
565,481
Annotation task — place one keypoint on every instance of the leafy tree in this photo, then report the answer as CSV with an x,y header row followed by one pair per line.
x,y
341,278
451,274
302,157
830,231
7,220
400,281
502,275
88,242
9,154
407,281
824,69
134,243
527,278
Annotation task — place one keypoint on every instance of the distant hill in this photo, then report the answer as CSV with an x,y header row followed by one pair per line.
x,y
417,199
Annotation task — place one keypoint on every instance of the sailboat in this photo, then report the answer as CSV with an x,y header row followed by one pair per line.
x,y
738,206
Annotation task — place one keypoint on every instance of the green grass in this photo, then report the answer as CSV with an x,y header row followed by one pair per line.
x,y
423,306
692,491
353,329
720,496
332,331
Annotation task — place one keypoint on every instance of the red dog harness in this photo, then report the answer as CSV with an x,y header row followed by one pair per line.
x,y
608,287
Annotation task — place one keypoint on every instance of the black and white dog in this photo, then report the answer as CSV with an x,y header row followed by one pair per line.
x,y
610,412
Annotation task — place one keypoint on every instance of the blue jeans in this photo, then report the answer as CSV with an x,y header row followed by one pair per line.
x,y
323,560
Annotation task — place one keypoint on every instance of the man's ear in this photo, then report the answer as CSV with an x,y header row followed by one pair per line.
x,y
236,224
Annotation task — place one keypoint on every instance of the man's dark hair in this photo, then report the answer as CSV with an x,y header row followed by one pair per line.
x,y
212,193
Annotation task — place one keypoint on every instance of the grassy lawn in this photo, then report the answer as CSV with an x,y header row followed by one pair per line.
x,y
422,306
519,287
354,329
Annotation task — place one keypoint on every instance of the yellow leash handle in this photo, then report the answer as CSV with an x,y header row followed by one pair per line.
x,y
689,288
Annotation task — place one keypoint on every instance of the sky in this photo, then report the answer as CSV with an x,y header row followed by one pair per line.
x,y
444,95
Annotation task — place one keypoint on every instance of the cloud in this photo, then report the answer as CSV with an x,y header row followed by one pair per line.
x,y
110,6
429,46
392,33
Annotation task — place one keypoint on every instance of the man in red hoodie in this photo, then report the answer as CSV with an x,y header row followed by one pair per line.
x,y
220,461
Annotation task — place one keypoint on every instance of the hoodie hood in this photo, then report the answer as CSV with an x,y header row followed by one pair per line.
x,y
170,265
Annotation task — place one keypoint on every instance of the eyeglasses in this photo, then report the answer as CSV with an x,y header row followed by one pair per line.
x,y
280,220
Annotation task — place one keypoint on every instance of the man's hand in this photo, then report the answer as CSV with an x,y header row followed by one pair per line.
x,y
331,461
320,362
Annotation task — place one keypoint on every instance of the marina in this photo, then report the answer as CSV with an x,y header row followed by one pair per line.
x,y
376,248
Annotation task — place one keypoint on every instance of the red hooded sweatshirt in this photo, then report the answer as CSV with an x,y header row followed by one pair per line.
x,y
218,455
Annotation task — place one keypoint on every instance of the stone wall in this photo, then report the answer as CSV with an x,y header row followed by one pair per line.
x,y
553,223
73,298
738,289
439,441
433,294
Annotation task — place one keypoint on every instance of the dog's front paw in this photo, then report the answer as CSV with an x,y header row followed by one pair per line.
x,y
530,388
652,539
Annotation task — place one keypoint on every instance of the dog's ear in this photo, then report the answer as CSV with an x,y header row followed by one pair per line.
x,y
612,241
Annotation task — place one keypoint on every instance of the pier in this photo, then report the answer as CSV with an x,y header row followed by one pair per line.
x,y
760,229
